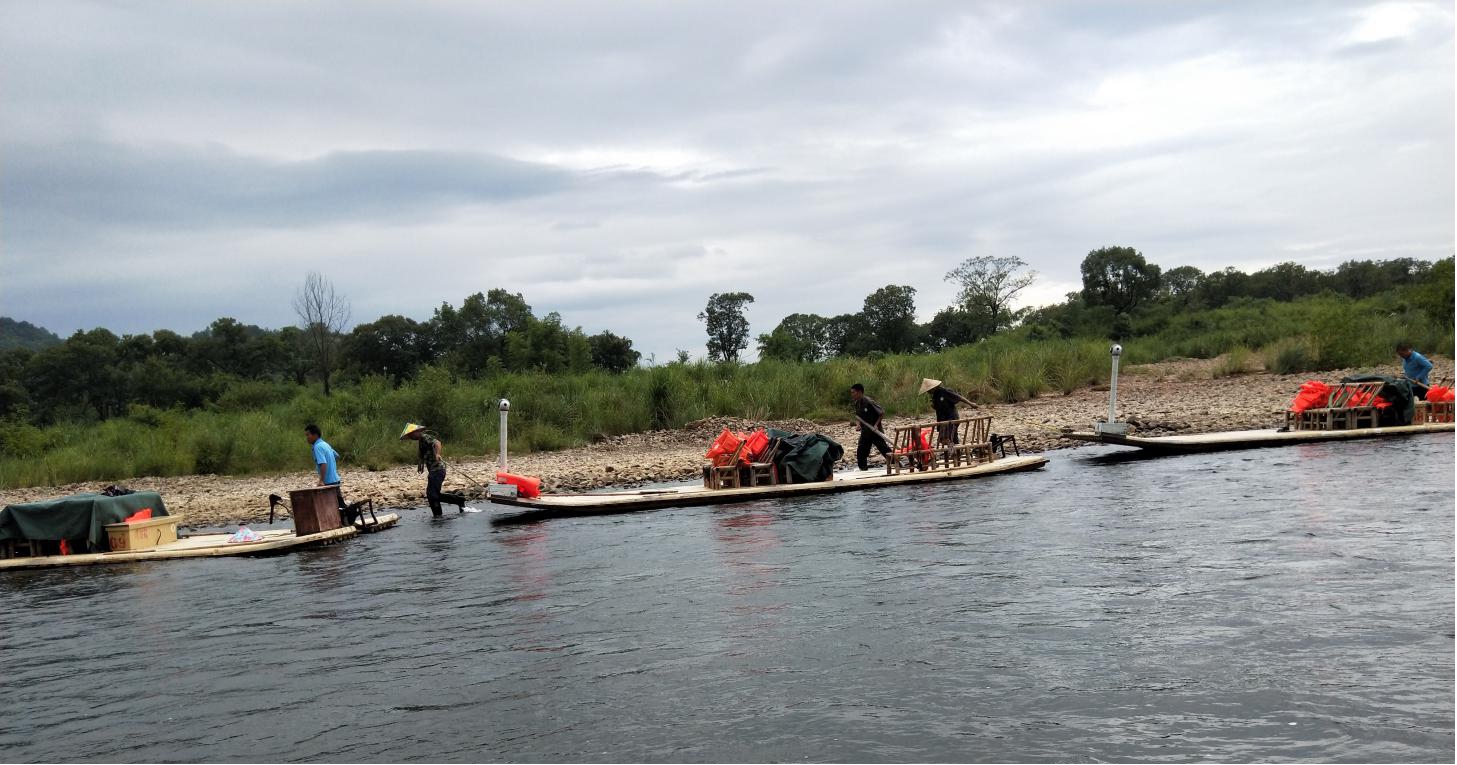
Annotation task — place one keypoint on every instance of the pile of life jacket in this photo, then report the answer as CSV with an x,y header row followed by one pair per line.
x,y
923,442
1362,398
1313,394
728,441
1439,394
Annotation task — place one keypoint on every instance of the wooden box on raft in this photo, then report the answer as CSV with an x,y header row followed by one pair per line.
x,y
142,535
315,509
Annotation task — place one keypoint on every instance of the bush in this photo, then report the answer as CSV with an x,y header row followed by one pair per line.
x,y
1291,355
1235,362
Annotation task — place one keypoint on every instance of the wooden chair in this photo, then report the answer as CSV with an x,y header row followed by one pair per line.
x,y
765,468
905,443
978,443
727,476
1432,411
1340,413
1346,415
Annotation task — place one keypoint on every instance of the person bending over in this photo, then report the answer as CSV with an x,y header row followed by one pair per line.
x,y
868,413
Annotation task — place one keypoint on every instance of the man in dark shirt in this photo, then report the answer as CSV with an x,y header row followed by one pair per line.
x,y
431,462
869,412
944,401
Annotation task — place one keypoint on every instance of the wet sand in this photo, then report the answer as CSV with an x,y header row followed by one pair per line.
x,y
1156,399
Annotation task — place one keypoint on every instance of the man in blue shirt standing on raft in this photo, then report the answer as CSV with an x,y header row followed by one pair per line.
x,y
325,458
1416,368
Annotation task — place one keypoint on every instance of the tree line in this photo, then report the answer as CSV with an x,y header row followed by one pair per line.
x,y
97,374
1121,291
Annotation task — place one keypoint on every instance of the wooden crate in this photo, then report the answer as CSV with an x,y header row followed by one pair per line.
x,y
315,509
1433,411
142,535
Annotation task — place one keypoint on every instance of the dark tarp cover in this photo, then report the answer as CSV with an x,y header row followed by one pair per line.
x,y
1398,391
79,516
806,457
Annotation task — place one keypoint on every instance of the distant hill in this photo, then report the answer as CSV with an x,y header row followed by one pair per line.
x,y
23,334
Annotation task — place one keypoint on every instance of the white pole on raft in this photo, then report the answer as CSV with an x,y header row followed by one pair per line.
x,y
1113,385
505,410
1113,426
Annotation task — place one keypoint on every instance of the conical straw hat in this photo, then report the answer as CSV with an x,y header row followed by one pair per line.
x,y
410,427
927,384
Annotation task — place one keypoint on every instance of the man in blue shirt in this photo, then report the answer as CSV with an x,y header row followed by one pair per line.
x,y
1416,368
324,456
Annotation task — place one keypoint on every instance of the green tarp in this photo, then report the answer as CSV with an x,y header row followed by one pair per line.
x,y
806,456
77,517
1398,392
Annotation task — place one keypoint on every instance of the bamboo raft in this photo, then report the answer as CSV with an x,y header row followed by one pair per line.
x,y
272,542
1251,439
517,509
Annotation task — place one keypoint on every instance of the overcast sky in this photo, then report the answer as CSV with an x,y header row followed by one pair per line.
x,y
164,164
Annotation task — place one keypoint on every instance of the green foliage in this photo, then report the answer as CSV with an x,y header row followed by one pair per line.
x,y
1290,355
1118,277
728,328
988,284
1235,362
233,398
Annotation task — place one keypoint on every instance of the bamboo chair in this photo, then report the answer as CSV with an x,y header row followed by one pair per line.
x,y
905,442
727,476
765,468
977,445
1343,414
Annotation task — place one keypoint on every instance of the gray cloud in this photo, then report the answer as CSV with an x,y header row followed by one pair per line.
x,y
619,163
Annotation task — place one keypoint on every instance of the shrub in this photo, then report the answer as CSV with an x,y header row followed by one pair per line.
x,y
1291,355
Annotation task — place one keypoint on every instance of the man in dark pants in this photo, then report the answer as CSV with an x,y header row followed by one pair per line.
x,y
944,401
869,412
433,465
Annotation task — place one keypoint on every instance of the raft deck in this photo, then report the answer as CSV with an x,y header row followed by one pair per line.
x,y
1251,439
273,542
567,505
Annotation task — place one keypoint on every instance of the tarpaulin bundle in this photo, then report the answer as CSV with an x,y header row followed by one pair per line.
x,y
1313,394
78,518
1439,394
803,457
1402,404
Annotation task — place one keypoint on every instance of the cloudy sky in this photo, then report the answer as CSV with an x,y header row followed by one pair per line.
x,y
163,164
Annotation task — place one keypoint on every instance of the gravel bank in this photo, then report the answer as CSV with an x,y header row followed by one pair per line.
x,y
1168,397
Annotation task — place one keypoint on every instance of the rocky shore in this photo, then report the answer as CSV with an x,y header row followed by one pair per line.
x,y
1163,398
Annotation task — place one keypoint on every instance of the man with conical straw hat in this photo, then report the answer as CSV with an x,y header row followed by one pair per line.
x,y
432,463
944,401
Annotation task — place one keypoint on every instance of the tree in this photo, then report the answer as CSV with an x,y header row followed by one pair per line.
x,y
1118,277
612,353
390,345
323,313
890,315
728,328
1181,283
1220,287
799,337
955,326
1284,281
988,286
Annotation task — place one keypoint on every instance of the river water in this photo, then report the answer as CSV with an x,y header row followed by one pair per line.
x,y
1290,604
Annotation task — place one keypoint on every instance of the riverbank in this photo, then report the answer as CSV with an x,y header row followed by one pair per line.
x,y
1162,398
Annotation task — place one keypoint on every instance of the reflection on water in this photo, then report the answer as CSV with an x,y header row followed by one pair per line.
x,y
1288,604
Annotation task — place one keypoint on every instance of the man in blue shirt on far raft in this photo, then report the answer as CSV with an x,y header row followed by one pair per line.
x,y
1416,368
